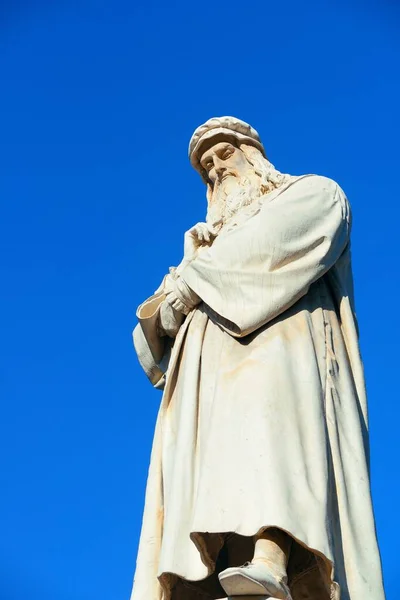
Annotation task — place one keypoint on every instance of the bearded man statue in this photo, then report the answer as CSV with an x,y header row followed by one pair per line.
x,y
259,475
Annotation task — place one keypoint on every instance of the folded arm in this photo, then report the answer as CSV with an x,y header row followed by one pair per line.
x,y
255,272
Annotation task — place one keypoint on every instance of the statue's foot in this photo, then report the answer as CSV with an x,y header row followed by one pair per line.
x,y
254,579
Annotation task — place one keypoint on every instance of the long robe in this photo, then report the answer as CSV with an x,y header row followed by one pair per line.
x,y
263,420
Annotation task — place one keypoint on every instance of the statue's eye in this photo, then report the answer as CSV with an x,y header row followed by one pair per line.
x,y
227,153
209,165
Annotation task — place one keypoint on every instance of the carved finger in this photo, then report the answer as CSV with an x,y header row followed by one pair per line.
x,y
170,297
202,232
199,234
178,305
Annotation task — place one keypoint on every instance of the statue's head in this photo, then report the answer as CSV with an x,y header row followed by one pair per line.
x,y
231,160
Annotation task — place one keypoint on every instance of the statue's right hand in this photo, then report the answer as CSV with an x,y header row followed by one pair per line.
x,y
199,235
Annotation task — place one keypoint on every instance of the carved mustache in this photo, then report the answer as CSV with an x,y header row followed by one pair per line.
x,y
226,174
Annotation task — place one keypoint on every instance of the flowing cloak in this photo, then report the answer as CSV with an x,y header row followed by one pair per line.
x,y
263,420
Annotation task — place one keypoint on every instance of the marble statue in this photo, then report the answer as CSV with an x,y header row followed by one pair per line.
x,y
259,474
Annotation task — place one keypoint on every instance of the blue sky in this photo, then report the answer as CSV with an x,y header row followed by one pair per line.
x,y
98,103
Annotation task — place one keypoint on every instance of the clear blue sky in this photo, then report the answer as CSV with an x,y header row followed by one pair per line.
x,y
98,102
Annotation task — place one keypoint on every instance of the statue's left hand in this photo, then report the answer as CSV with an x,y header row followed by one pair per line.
x,y
179,295
176,303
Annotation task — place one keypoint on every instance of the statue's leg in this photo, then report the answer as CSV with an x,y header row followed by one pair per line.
x,y
272,547
266,574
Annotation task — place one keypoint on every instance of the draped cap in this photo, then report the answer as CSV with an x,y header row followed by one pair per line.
x,y
231,126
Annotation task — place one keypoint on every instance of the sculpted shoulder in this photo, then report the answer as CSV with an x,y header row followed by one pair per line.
x,y
318,182
325,187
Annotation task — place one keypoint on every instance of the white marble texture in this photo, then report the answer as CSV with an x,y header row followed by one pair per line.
x,y
263,420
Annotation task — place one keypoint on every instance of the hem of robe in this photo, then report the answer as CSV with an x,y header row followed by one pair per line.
x,y
323,564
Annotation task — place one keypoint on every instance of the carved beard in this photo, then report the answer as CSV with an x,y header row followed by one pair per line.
x,y
231,195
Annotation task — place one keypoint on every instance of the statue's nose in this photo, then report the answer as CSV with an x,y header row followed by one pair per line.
x,y
219,165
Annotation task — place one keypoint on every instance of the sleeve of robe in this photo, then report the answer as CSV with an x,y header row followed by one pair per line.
x,y
255,272
150,347
154,335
